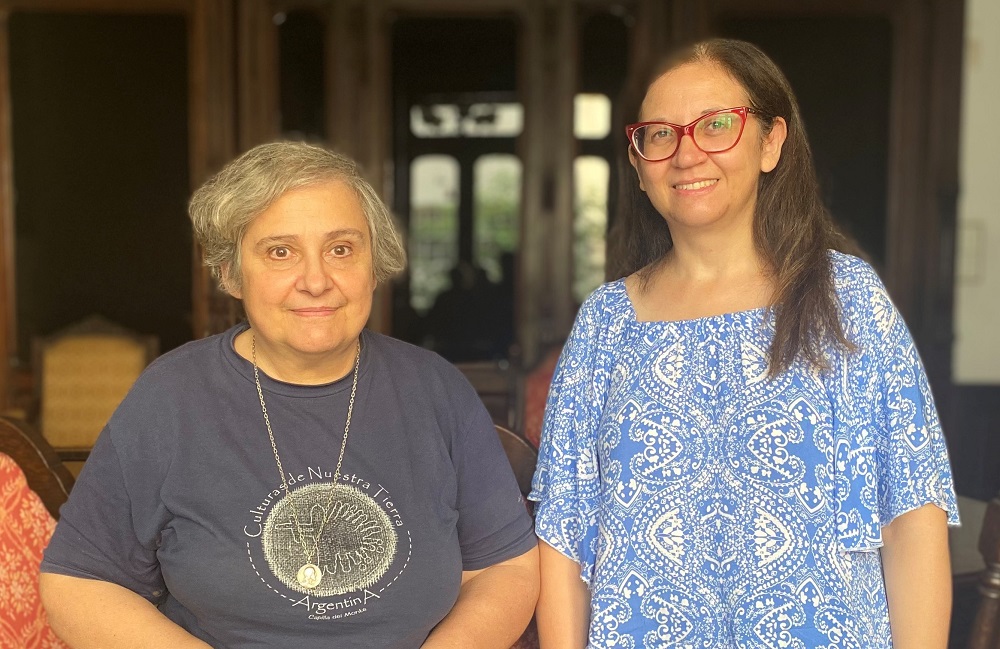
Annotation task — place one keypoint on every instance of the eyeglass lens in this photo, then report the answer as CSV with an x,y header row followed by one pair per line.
x,y
712,134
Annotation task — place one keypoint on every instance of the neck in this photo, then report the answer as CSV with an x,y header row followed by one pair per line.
x,y
707,256
701,276
293,366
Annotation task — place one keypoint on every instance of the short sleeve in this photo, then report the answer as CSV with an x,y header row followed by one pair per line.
x,y
96,537
566,484
891,455
914,457
493,522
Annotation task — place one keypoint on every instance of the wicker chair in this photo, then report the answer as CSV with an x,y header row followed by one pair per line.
x,y
82,374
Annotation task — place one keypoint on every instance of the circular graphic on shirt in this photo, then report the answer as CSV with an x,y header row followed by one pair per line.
x,y
342,540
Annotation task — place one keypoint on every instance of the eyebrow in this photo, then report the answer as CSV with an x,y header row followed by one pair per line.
x,y
344,233
702,114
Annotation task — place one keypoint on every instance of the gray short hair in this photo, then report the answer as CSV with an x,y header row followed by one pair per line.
x,y
223,208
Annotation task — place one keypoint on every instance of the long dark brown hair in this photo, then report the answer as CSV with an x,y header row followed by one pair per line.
x,y
792,229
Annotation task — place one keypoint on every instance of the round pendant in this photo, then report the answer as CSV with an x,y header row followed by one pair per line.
x,y
309,576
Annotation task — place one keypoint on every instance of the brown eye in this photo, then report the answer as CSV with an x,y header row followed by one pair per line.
x,y
280,252
340,250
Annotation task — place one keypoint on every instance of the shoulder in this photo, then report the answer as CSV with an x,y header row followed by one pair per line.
x,y
858,286
205,356
423,369
418,386
193,375
609,295
172,397
608,304
402,354
602,326
852,273
867,311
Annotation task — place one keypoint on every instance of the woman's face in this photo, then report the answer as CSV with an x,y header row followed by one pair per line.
x,y
694,190
307,274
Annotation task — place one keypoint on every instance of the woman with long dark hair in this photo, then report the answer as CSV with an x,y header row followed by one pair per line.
x,y
740,445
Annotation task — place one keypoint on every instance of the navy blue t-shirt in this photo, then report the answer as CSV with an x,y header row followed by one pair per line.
x,y
181,499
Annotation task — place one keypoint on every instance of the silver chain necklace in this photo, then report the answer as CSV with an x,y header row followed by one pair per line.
x,y
310,574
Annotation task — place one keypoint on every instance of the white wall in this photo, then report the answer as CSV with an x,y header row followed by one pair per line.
x,y
977,282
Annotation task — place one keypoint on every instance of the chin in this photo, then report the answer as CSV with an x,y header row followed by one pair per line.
x,y
324,346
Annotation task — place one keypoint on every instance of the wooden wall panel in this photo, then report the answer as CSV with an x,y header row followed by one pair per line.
x,y
8,309
96,6
212,137
257,74
344,55
562,41
537,183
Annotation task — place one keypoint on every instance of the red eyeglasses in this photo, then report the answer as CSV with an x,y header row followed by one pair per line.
x,y
714,132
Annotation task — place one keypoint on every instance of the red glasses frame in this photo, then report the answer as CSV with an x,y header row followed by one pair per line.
x,y
688,129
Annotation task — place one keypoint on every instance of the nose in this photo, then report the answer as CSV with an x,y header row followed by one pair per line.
x,y
315,277
688,154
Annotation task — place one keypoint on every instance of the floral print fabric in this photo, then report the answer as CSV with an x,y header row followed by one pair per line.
x,y
711,506
25,528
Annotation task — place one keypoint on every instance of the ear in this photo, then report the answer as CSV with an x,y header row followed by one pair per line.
x,y
770,152
223,275
634,160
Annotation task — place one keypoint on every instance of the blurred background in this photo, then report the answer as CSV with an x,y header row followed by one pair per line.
x,y
494,130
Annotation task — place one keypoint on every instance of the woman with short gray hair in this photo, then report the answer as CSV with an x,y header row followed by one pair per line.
x,y
297,480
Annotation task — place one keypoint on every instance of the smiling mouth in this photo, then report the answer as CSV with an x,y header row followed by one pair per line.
x,y
701,184
317,311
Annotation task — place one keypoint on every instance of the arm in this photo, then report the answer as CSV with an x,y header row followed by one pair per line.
x,y
90,613
493,608
563,613
917,571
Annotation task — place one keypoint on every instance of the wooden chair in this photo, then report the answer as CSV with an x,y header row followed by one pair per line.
x,y
496,383
521,455
42,467
985,632
82,374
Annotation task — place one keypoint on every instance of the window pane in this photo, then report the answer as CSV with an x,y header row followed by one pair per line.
x,y
590,223
497,201
437,120
493,120
591,116
433,227
486,119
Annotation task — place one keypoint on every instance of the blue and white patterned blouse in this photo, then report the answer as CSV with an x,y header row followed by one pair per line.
x,y
710,506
